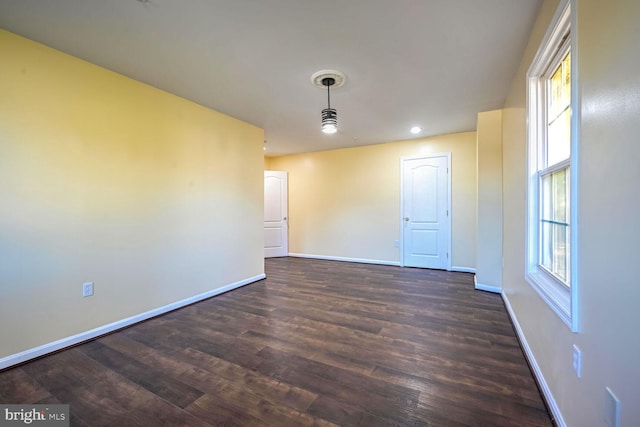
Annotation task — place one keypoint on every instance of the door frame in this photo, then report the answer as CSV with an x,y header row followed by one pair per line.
x,y
402,215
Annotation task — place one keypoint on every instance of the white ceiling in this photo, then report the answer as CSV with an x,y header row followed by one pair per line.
x,y
432,63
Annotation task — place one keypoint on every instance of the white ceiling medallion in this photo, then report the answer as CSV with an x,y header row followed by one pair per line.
x,y
339,78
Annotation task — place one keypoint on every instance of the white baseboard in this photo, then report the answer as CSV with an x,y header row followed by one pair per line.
x,y
372,261
337,258
487,288
463,269
546,391
60,344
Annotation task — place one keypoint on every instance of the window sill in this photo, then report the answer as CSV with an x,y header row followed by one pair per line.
x,y
553,292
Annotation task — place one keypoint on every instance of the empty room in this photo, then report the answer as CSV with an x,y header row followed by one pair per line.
x,y
295,213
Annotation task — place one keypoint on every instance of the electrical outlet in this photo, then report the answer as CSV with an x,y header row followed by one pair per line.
x,y
577,361
87,289
612,410
396,243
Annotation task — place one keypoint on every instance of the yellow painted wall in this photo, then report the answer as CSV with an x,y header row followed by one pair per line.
x,y
608,64
489,216
346,203
105,179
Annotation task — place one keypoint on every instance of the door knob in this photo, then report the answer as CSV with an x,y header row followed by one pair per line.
x,y
406,218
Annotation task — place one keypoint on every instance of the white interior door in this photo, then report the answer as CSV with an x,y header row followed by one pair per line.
x,y
276,234
426,220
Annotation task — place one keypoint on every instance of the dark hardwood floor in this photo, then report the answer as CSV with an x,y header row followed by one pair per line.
x,y
318,343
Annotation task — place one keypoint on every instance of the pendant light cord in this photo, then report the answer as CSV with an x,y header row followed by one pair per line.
x,y
328,82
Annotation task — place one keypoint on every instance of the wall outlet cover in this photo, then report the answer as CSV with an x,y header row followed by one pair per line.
x,y
612,409
577,361
87,289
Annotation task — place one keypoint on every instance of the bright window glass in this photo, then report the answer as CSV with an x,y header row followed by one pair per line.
x,y
559,113
554,227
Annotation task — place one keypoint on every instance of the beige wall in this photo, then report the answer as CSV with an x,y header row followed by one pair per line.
x,y
104,179
489,216
609,209
346,203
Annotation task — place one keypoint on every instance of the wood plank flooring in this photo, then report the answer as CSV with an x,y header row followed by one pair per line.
x,y
317,343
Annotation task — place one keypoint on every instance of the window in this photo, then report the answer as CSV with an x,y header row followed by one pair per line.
x,y
554,169
552,152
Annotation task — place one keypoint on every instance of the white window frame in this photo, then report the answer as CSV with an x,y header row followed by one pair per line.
x,y
561,298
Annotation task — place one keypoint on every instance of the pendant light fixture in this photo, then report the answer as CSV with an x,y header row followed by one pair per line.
x,y
329,115
328,79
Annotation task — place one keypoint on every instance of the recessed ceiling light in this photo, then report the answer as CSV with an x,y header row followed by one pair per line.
x,y
416,130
